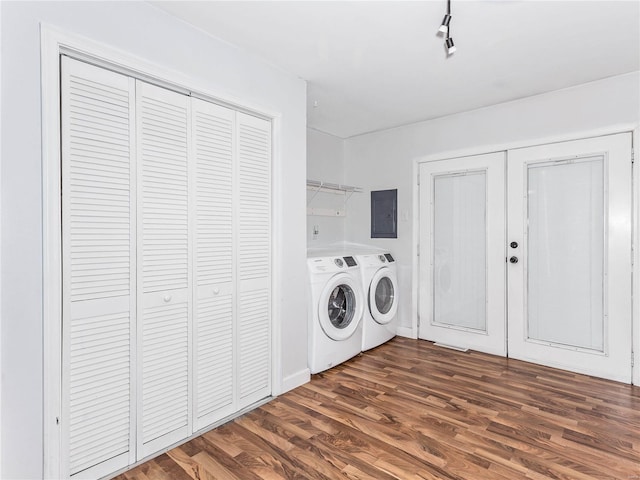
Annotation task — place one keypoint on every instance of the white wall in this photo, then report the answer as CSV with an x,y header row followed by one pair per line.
x,y
150,34
386,159
325,162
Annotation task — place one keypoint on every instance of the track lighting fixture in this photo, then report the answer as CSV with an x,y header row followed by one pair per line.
x,y
450,46
446,29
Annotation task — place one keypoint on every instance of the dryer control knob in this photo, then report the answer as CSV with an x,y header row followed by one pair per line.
x,y
339,262
382,258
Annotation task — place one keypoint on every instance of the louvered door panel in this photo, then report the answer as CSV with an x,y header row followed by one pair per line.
x,y
213,153
164,303
166,223
254,342
98,269
254,258
214,360
214,292
165,365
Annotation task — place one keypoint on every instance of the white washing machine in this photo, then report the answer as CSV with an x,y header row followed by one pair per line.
x,y
380,285
335,311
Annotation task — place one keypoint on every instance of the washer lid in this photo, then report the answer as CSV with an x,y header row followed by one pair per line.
x,y
340,307
383,291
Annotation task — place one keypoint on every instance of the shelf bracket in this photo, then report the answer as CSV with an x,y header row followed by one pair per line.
x,y
315,192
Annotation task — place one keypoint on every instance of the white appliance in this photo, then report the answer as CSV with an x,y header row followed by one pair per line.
x,y
380,285
335,312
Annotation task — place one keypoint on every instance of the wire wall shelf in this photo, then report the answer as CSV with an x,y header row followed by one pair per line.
x,y
317,187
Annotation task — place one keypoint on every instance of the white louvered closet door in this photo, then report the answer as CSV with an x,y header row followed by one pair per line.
x,y
166,267
214,270
254,258
98,304
164,263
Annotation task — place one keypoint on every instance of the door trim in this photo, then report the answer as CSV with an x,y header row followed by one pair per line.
x,y
635,275
55,42
624,127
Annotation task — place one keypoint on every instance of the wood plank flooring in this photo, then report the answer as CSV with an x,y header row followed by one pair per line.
x,y
410,410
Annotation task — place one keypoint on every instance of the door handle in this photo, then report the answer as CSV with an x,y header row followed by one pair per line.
x,y
513,259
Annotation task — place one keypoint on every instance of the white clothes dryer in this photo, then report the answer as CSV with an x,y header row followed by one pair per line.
x,y
335,310
380,285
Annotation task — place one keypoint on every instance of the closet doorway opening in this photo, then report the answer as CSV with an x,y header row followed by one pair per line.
x,y
158,233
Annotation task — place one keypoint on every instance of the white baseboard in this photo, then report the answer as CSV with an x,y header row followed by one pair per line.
x,y
295,380
406,332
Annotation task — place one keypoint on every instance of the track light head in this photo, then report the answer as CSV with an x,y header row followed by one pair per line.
x,y
451,48
444,28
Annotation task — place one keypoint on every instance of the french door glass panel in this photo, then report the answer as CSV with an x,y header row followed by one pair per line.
x,y
565,276
460,242
569,295
462,276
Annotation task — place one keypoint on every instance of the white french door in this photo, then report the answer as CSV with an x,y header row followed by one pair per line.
x,y
570,290
462,282
564,264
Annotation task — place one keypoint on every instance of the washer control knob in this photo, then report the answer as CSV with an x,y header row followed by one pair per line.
x,y
339,262
382,258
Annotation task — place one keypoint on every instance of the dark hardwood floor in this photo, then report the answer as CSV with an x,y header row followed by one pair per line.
x,y
410,410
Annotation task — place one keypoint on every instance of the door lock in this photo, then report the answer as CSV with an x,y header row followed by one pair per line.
x,y
513,259
513,244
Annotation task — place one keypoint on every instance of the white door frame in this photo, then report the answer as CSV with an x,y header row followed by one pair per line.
x,y
635,276
634,128
0,248
53,43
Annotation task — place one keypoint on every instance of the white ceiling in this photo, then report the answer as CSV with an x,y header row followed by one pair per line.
x,y
372,65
